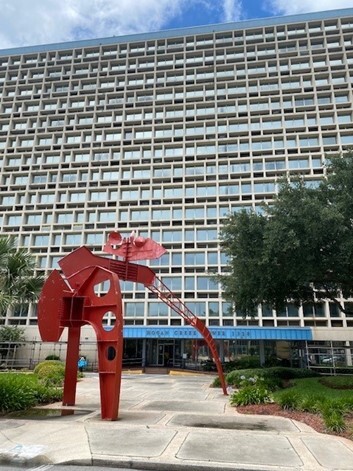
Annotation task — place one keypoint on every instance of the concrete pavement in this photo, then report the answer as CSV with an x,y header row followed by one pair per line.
x,y
168,422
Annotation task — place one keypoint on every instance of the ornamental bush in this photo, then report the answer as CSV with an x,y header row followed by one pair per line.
x,y
17,392
333,417
289,400
52,357
20,391
250,395
51,372
273,375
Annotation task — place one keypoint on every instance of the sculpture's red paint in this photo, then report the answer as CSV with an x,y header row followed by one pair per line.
x,y
132,247
71,301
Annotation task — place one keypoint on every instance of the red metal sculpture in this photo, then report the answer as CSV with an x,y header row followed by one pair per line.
x,y
71,300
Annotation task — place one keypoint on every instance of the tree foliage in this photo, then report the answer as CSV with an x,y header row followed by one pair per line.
x,y
300,249
19,284
12,333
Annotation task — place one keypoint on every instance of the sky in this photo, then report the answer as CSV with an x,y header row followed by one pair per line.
x,y
31,22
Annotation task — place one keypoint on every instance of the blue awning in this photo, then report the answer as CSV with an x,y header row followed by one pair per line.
x,y
220,333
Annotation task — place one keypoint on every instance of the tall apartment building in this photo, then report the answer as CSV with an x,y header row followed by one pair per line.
x,y
166,133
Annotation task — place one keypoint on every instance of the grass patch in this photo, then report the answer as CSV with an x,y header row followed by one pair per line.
x,y
314,386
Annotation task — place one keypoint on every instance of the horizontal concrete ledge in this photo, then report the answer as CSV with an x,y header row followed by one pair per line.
x,y
160,466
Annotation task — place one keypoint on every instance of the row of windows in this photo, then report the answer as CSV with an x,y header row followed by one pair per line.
x,y
175,61
222,88
42,240
179,130
293,141
242,105
75,218
154,81
259,34
212,309
146,172
254,144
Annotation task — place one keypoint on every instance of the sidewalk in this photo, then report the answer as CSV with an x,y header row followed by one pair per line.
x,y
168,423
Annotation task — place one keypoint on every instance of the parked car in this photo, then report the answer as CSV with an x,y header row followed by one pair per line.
x,y
332,359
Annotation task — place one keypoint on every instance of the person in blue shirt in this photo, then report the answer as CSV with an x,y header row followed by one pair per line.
x,y
82,363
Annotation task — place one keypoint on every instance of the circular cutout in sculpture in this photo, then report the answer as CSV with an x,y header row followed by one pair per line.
x,y
101,289
108,321
111,353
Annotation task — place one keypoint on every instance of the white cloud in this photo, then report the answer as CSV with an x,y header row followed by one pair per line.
x,y
285,7
28,22
232,10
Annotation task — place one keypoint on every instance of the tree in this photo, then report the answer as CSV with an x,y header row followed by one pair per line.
x,y
300,250
19,284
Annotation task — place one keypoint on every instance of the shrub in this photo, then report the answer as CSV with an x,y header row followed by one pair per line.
x,y
289,400
247,362
44,363
283,372
52,357
17,392
250,395
310,403
348,401
47,394
216,383
51,372
337,382
236,377
274,375
333,418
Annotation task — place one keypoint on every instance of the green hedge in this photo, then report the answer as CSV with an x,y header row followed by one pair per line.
x,y
20,391
273,375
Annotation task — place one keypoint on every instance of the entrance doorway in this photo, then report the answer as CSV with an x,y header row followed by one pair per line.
x,y
164,352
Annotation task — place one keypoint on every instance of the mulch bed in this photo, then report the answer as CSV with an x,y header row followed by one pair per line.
x,y
313,420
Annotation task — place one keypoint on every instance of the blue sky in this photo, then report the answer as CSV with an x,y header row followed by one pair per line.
x,y
30,22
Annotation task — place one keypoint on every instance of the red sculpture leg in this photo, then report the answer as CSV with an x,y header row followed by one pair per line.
x,y
110,367
109,339
72,354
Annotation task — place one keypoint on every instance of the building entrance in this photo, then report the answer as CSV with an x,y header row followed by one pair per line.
x,y
164,352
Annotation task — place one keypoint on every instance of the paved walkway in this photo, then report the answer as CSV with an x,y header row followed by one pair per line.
x,y
168,422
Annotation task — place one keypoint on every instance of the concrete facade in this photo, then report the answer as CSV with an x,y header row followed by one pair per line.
x,y
166,133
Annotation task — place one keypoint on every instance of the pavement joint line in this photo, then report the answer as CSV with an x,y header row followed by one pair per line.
x,y
308,459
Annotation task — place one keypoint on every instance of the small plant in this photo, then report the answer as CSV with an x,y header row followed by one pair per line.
x,y
289,400
216,383
250,395
311,403
333,418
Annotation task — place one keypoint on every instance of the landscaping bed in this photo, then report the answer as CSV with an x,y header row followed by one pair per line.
x,y
312,420
323,403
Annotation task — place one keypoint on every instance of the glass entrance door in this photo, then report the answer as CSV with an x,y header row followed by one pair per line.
x,y
165,352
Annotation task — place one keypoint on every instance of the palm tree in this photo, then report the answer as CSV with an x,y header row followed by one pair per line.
x,y
19,284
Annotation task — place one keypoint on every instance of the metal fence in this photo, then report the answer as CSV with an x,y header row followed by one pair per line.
x,y
27,354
